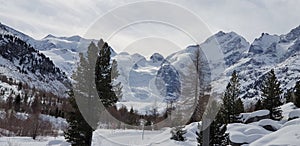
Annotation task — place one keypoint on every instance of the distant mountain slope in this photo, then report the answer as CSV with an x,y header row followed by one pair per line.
x,y
21,62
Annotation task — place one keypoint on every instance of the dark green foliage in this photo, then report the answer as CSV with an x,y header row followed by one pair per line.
x,y
117,88
103,75
231,106
239,106
79,132
218,137
217,129
271,92
258,105
288,96
80,128
297,94
17,103
36,110
178,133
36,106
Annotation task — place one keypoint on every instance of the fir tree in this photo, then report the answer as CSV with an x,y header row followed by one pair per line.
x,y
79,132
36,110
239,106
271,92
86,113
103,79
230,110
17,103
117,88
217,129
289,96
258,105
297,94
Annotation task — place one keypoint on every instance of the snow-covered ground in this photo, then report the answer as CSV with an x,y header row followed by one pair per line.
x,y
28,141
252,134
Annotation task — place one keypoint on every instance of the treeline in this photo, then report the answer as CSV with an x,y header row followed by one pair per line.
x,y
22,106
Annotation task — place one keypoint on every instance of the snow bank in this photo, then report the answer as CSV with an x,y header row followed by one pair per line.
x,y
268,122
292,122
294,114
259,113
28,141
286,109
245,133
289,135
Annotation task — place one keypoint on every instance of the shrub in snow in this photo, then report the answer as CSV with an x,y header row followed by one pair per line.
x,y
177,133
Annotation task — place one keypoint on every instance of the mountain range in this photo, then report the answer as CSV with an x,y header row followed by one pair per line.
x,y
49,63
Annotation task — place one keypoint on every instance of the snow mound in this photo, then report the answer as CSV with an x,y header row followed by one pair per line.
x,y
289,135
268,122
244,133
259,113
294,114
292,122
286,109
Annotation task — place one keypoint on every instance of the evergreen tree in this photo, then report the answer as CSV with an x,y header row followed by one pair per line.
x,y
103,79
17,103
230,109
217,129
297,94
288,96
36,110
85,115
117,88
79,132
258,105
85,88
239,106
271,92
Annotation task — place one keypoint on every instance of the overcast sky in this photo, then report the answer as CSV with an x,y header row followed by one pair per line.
x,y
147,27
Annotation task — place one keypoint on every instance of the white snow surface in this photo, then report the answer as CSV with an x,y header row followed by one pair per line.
x,y
259,113
28,141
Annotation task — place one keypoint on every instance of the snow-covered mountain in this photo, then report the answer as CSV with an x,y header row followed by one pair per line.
x,y
22,63
148,81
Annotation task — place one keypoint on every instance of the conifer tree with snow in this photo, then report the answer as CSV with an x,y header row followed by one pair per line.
x,y
297,94
103,73
239,106
85,102
258,105
271,93
117,87
217,129
79,132
289,95
231,106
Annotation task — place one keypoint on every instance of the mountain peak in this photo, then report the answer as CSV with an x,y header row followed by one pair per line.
x,y
156,57
263,42
293,34
49,36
